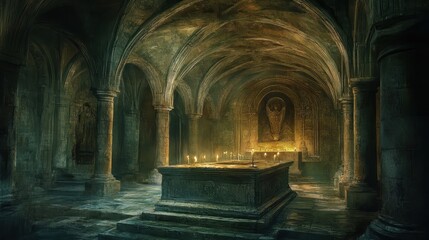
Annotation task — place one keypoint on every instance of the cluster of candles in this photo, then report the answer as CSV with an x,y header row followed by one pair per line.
x,y
280,149
195,158
227,154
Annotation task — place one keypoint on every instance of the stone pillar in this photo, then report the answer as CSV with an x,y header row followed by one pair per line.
x,y
162,142
103,182
193,135
131,144
402,59
46,137
8,90
60,157
362,194
347,114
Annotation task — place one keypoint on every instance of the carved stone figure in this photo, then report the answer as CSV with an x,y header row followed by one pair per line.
x,y
276,109
86,134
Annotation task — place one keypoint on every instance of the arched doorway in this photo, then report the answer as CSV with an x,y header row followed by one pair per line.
x,y
178,131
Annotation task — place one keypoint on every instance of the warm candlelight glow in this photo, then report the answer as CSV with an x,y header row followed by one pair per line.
x,y
217,158
187,157
195,159
253,159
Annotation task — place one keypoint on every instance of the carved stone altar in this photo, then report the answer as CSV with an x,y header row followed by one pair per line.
x,y
221,200
229,189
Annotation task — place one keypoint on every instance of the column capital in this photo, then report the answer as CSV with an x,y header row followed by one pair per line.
x,y
346,100
346,104
399,34
364,84
162,108
105,95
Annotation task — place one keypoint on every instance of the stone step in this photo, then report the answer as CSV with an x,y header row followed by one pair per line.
x,y
286,234
204,220
115,234
183,231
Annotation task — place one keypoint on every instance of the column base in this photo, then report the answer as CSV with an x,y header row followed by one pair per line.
x,y
362,198
142,178
155,177
342,188
382,228
102,186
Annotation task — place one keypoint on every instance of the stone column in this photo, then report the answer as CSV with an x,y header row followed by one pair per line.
x,y
361,194
60,158
131,144
162,142
347,114
193,135
103,182
8,90
402,59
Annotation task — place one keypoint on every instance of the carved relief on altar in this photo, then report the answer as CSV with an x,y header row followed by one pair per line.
x,y
276,119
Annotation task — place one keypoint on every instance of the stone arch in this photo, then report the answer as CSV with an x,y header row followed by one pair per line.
x,y
362,54
185,93
152,74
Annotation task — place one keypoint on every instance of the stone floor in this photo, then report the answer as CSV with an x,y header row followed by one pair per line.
x,y
65,213
317,213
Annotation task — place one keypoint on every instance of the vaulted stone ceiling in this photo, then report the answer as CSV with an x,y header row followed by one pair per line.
x,y
206,50
211,49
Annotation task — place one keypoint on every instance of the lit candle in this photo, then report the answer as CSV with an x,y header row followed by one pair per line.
x,y
187,158
217,158
204,157
265,155
253,161
294,149
195,159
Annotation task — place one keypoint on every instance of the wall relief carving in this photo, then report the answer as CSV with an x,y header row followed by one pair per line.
x,y
276,109
276,117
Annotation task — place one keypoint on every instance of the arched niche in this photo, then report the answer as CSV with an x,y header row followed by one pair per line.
x,y
134,126
147,132
286,121
178,131
206,131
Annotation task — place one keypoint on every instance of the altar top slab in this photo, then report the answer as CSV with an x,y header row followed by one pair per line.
x,y
231,165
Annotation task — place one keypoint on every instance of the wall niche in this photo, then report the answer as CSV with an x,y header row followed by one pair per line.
x,y
276,119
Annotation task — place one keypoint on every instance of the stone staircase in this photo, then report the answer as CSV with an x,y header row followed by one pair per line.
x,y
191,227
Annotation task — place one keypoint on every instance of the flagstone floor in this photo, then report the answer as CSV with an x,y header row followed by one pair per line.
x,y
66,213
